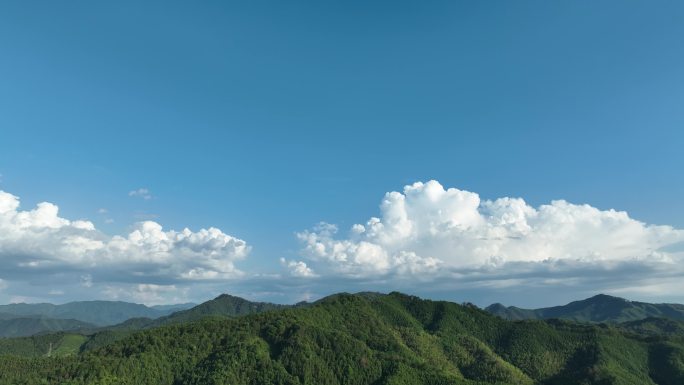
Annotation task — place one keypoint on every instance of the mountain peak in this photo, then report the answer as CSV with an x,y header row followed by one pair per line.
x,y
605,298
228,296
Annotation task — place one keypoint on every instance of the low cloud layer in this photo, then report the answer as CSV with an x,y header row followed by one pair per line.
x,y
39,242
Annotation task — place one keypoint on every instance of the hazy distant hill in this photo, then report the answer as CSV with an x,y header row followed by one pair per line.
x,y
20,325
389,339
173,308
28,326
98,313
600,308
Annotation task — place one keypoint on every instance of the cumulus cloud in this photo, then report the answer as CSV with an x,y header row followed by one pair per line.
x,y
426,239
142,192
428,229
298,268
39,241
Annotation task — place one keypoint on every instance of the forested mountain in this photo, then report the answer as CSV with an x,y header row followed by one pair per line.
x,y
100,313
655,326
600,308
362,339
224,305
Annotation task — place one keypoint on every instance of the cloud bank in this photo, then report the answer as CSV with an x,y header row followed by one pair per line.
x,y
40,241
427,227
427,240
461,244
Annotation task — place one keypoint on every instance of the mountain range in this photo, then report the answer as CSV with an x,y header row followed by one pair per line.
x,y
89,317
22,319
366,338
98,313
600,308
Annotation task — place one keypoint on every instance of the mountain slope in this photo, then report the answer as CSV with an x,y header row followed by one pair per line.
x,y
44,345
600,308
27,326
357,339
654,327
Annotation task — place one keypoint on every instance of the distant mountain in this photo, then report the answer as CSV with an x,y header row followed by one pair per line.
x,y
115,319
28,326
224,305
600,308
100,313
4,316
174,308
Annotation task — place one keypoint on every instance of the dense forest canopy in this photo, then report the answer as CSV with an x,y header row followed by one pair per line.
x,y
355,339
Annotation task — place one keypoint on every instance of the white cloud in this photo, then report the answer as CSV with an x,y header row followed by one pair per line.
x,y
427,228
39,241
142,192
298,268
148,294
425,240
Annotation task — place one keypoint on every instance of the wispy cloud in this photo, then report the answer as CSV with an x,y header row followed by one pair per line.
x,y
142,192
103,212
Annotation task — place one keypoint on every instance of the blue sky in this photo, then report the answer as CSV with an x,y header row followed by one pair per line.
x,y
263,119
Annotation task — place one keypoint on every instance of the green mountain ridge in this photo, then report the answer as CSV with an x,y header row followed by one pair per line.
x,y
378,339
224,305
600,308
